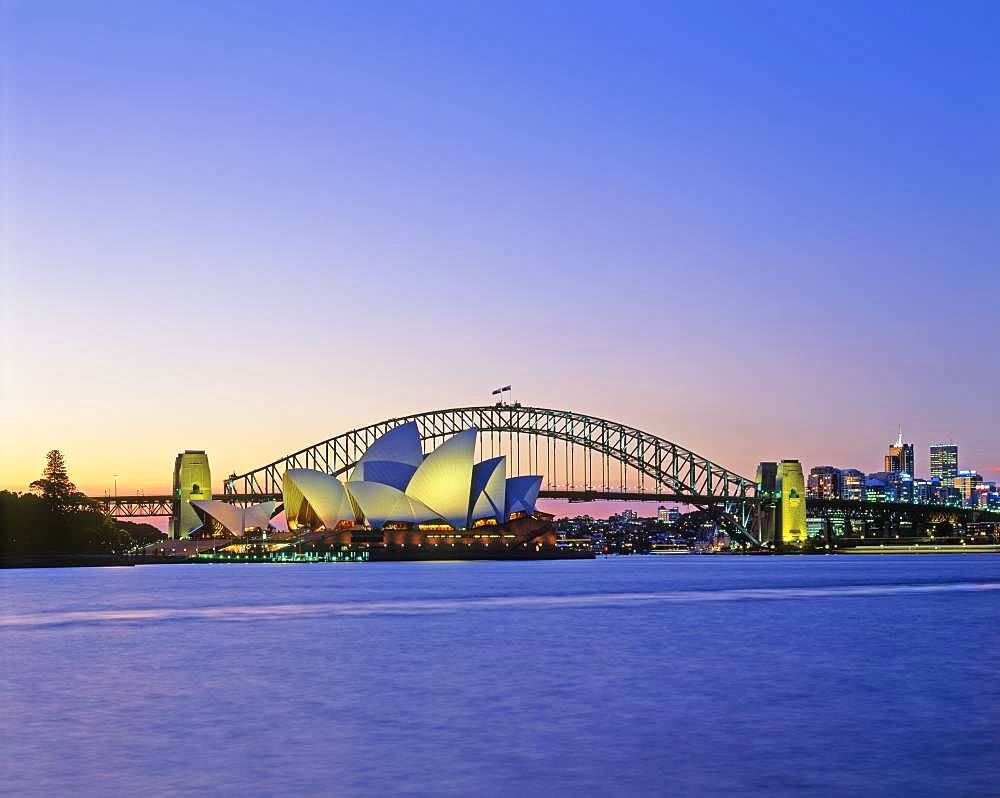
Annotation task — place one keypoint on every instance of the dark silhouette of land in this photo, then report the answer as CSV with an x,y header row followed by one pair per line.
x,y
55,524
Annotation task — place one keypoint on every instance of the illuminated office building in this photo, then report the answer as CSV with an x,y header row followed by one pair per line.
x,y
966,483
852,484
944,462
824,483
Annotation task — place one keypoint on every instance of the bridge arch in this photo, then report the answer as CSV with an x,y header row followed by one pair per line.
x,y
577,454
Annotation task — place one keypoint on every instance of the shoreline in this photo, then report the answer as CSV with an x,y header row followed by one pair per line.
x,y
131,560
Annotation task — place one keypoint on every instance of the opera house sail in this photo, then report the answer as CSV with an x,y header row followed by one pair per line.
x,y
444,479
395,482
521,495
314,499
392,459
489,487
222,519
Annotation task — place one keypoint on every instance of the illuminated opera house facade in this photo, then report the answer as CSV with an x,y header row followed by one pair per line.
x,y
395,496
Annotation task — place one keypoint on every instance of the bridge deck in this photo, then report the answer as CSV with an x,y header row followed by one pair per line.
x,y
163,505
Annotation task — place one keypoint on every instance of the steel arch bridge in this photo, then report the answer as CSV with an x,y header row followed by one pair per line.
x,y
581,457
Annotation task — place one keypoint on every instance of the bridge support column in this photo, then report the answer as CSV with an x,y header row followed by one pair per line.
x,y
792,503
192,480
782,512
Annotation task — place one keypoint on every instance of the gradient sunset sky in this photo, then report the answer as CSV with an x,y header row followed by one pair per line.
x,y
761,230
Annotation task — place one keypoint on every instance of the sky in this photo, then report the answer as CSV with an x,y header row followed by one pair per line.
x,y
760,230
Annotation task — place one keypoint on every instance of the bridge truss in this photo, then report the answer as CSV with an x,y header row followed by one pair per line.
x,y
139,506
579,457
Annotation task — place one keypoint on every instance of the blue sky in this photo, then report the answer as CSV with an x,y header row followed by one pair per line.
x,y
762,230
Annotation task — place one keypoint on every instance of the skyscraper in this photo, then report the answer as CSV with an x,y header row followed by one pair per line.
x,y
944,462
900,456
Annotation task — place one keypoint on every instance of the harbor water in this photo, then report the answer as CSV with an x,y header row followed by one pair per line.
x,y
687,675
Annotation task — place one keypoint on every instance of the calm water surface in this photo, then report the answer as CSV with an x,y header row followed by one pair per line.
x,y
625,676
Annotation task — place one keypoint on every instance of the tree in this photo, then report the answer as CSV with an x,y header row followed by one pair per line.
x,y
55,486
56,518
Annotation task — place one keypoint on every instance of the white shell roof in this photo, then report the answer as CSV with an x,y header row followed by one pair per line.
x,y
394,481
324,494
488,490
280,522
381,503
522,493
391,459
443,481
232,518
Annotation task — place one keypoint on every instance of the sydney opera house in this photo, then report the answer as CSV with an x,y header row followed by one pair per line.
x,y
395,496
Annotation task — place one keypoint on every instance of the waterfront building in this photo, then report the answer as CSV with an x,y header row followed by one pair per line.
x,y
565,540
852,484
394,496
673,515
662,515
394,484
966,483
900,456
944,462
824,483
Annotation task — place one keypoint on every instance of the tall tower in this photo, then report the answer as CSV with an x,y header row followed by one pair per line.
x,y
192,480
791,486
781,515
900,456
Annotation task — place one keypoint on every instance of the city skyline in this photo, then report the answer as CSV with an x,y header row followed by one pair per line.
x,y
116,483
394,207
622,374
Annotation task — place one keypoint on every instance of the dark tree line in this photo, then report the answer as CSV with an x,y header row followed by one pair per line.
x,y
55,518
